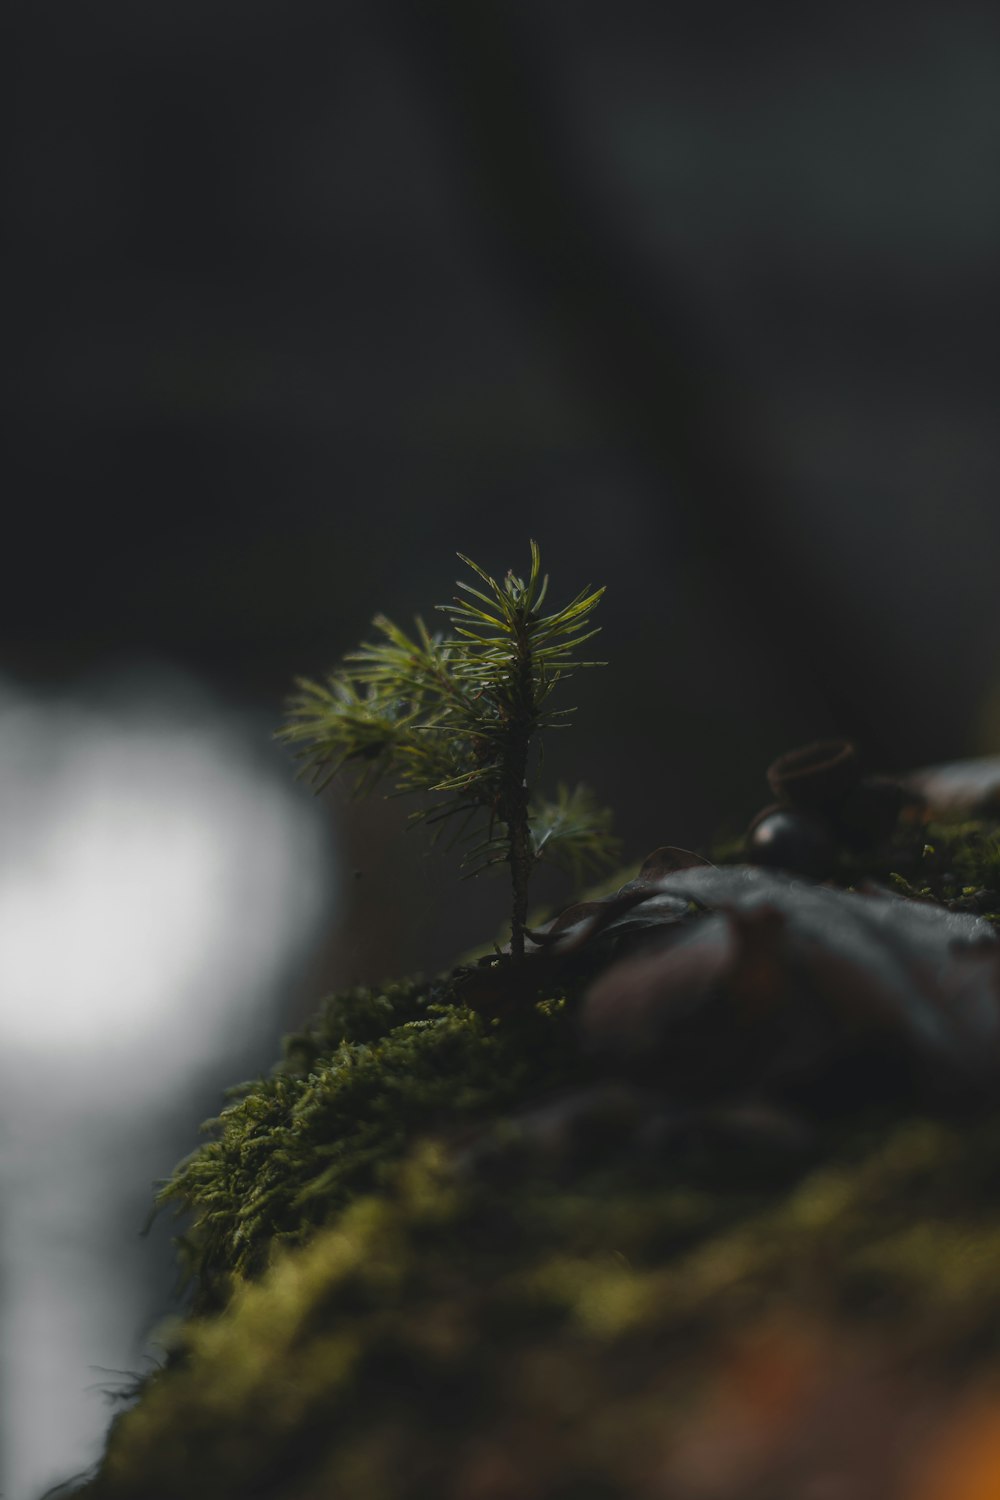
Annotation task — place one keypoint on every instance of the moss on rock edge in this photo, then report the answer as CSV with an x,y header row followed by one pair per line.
x,y
412,1314
377,1069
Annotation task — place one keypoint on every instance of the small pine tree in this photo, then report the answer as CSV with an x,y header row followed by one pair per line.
x,y
458,716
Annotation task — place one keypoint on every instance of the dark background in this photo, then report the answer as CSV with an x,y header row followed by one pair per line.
x,y
305,297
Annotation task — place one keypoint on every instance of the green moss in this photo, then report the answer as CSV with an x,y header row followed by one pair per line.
x,y
377,1069
446,1320
359,1015
948,862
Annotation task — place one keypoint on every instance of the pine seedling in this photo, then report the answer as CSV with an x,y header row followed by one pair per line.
x,y
458,717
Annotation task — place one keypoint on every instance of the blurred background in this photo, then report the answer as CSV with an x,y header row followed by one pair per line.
x,y
301,299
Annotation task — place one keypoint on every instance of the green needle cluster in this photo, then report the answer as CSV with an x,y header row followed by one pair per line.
x,y
456,716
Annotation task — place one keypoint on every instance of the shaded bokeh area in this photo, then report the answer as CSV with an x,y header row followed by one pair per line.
x,y
304,298
307,300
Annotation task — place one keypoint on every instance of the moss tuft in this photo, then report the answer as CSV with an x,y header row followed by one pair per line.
x,y
376,1070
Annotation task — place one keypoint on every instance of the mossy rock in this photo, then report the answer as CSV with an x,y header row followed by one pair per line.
x,y
377,1069
560,1341
419,1272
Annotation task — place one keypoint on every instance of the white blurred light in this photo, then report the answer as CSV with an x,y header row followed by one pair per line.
x,y
158,877
147,874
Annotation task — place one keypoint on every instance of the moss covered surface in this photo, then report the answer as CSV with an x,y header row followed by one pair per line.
x,y
450,1330
376,1070
422,1270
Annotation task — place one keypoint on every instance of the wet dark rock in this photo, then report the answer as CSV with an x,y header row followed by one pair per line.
x,y
827,805
783,839
784,984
